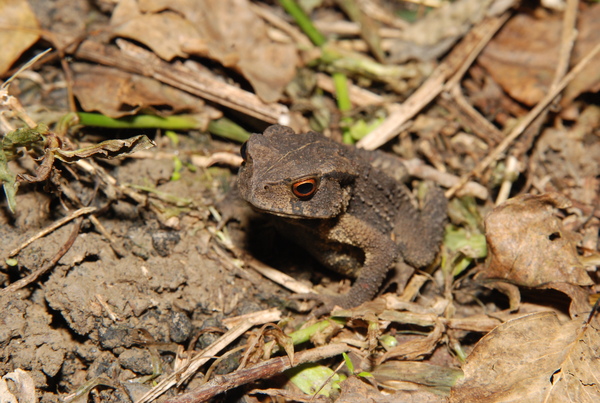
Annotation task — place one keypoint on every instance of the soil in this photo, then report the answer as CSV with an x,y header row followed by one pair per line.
x,y
89,316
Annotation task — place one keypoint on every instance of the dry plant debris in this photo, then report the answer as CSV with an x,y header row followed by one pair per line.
x,y
534,358
529,247
123,277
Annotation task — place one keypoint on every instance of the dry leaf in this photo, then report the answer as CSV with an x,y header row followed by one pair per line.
x,y
534,358
423,376
20,30
369,27
283,340
569,157
106,149
523,57
227,31
434,34
528,246
417,348
115,93
166,33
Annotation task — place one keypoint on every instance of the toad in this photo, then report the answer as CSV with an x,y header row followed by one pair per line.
x,y
337,203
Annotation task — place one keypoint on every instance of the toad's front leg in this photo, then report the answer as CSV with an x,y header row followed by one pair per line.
x,y
380,253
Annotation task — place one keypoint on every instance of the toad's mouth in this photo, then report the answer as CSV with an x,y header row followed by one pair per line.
x,y
294,215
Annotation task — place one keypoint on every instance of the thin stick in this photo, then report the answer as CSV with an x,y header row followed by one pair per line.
x,y
263,370
17,285
52,227
569,33
272,274
183,374
24,67
111,240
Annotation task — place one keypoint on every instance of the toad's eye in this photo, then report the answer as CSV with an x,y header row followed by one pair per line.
x,y
305,188
244,152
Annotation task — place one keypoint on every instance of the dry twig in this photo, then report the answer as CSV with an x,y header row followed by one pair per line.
x,y
183,374
263,370
52,227
454,64
48,266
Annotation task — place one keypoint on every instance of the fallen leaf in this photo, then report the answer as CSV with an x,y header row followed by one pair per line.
x,y
227,31
115,93
528,246
283,340
106,149
369,28
417,347
534,358
166,33
523,57
20,30
434,34
421,375
569,156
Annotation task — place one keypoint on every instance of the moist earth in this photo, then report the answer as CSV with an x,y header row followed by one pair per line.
x,y
98,313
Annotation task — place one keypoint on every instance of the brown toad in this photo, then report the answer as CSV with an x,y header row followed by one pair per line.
x,y
336,202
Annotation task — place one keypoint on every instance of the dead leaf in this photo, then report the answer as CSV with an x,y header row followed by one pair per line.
x,y
227,31
20,30
417,348
106,149
422,375
523,57
283,340
534,358
528,246
434,34
166,33
369,28
570,155
115,93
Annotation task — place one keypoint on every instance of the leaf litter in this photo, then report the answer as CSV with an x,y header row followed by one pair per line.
x,y
116,275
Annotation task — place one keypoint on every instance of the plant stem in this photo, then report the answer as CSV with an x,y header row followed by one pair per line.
x,y
179,122
293,9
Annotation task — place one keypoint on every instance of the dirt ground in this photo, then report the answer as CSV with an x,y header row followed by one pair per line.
x,y
82,318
